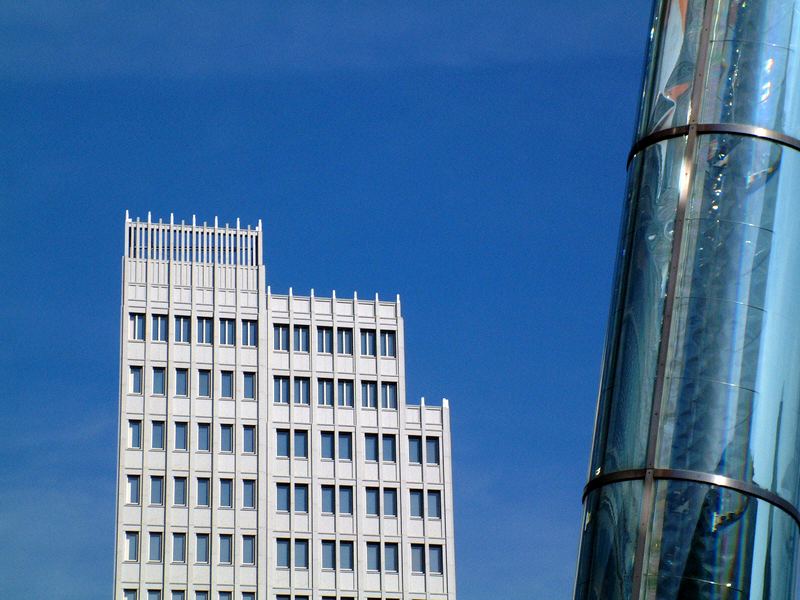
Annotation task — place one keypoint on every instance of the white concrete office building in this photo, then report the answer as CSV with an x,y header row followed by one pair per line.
x,y
266,449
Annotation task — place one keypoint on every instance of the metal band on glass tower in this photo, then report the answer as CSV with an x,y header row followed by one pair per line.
x,y
694,486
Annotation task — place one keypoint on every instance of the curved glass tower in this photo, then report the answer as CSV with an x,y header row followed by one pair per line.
x,y
694,488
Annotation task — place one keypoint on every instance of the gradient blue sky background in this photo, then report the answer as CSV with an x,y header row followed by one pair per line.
x,y
469,156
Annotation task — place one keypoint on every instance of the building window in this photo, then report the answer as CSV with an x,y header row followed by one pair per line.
x,y
249,493
226,493
178,548
301,444
283,497
417,558
300,498
282,443
324,340
156,490
224,596
435,561
135,380
248,595
204,383
415,449
328,554
327,449
178,595
181,436
283,553
183,329
369,394
159,381
373,556
227,332
345,389
373,502
325,392
136,327
389,502
344,340
181,382
328,499
132,545
391,557
129,595
345,500
345,445
281,391
249,439
368,342
250,386
201,595
281,337
301,390
389,447
202,548
226,438
300,338
179,491
301,554
248,553
388,343
249,333
153,594
203,491
134,434
156,540
159,328
205,330
389,395
371,447
158,435
203,437
133,489
432,450
227,384
434,505
225,549
416,503
346,556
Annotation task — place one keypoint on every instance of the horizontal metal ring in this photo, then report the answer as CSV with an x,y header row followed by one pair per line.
x,y
710,128
736,485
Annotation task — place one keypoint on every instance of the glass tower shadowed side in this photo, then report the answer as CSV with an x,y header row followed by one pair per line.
x,y
694,487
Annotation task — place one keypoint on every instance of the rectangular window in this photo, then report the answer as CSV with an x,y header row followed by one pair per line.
x,y
434,504
301,444
204,383
373,556
226,493
389,447
432,450
369,394
373,502
129,595
159,381
178,595
389,502
205,330
283,497
435,559
371,447
283,553
282,439
203,491
325,392
345,500
281,338
225,549
345,389
249,595
301,390
181,382
227,384
134,434
328,499
225,596
227,332
249,386
417,558
158,435
153,594
301,338
301,554
368,342
133,489
248,551
389,395
281,390
132,545
135,380
327,445
202,548
324,340
249,333
328,554
155,546
159,328
249,439
345,445
178,547
249,493
226,438
415,449
179,491
416,503
136,327
391,557
344,341
203,437
346,556
156,490
300,498
181,436
183,329
388,343
201,595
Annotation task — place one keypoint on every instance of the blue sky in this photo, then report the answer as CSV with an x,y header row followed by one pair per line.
x,y
470,157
